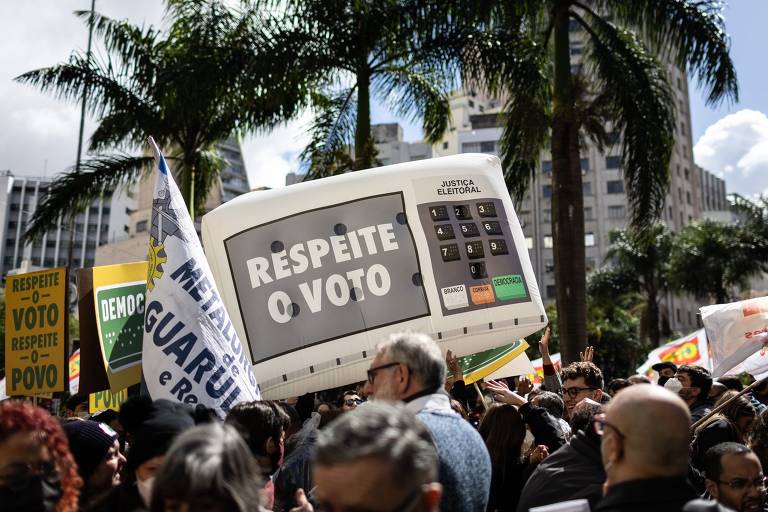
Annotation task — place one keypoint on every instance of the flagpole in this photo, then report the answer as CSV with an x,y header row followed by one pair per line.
x,y
727,403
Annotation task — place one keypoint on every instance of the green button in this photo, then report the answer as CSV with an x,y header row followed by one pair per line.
x,y
509,287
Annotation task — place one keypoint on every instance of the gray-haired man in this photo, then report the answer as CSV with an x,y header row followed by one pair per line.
x,y
376,458
409,367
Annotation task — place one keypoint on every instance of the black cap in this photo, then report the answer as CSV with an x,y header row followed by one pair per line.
x,y
663,366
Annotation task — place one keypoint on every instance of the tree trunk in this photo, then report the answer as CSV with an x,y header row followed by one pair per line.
x,y
188,188
654,330
363,139
567,201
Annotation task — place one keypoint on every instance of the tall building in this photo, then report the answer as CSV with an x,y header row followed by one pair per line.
x,y
19,198
391,149
132,242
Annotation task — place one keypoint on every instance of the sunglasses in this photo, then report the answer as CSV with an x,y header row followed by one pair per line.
x,y
352,401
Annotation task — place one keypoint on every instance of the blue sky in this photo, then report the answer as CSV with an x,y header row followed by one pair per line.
x,y
39,133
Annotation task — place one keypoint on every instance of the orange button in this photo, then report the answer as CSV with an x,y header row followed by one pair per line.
x,y
482,294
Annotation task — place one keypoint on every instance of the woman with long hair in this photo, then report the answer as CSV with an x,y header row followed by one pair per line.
x,y
733,423
37,470
503,431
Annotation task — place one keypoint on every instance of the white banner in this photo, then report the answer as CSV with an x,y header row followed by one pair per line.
x,y
735,331
191,352
316,274
690,349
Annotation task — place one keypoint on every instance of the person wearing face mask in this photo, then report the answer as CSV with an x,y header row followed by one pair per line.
x,y
262,424
666,371
693,384
96,449
151,440
37,470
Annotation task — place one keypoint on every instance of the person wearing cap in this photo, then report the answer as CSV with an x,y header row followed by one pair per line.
x,y
666,371
151,438
96,450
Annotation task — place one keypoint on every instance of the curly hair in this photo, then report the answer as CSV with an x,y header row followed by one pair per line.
x,y
591,373
18,416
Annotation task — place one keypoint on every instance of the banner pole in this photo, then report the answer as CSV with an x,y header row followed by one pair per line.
x,y
480,394
727,402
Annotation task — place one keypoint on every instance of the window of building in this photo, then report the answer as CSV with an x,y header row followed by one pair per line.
x,y
687,197
445,145
587,188
680,194
670,213
546,166
546,215
588,215
105,210
577,50
612,162
549,266
488,147
141,226
471,103
551,291
546,191
687,174
678,169
617,212
690,219
584,162
677,314
573,25
481,108
12,224
589,263
614,186
589,239
682,127
682,220
548,244
529,242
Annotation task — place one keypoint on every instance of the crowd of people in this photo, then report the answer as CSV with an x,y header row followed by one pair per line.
x,y
412,437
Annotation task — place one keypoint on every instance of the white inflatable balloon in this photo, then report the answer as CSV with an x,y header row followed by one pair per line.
x,y
314,275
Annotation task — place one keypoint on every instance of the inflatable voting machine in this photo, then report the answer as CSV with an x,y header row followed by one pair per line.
x,y
314,275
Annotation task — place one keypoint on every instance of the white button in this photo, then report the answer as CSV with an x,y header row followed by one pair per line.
x,y
455,297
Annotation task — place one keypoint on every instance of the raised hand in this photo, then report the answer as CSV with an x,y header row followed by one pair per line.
x,y
502,393
524,386
588,354
538,454
544,346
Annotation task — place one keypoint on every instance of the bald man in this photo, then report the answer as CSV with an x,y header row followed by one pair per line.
x,y
644,445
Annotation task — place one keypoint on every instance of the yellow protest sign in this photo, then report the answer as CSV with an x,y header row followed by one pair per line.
x,y
102,400
118,293
36,332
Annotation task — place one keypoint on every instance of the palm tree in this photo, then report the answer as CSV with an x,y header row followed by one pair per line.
x,y
523,54
640,264
206,77
709,259
353,51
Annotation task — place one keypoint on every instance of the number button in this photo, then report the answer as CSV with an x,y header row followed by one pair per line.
x,y
450,252
438,213
477,270
462,212
498,247
474,250
486,209
444,232
469,229
492,227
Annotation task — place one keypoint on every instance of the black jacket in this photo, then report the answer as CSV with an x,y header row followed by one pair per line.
x,y
719,431
575,471
544,427
699,410
655,494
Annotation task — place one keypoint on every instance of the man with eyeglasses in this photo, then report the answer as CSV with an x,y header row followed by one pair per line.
x,y
581,380
409,367
644,444
349,401
378,458
734,477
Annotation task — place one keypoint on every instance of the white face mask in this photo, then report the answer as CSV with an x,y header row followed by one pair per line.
x,y
145,489
674,385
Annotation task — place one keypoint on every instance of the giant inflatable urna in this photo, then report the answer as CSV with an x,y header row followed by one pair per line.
x,y
314,275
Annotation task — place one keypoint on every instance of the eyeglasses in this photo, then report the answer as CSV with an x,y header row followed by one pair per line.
x,y
599,424
352,401
739,484
574,392
373,371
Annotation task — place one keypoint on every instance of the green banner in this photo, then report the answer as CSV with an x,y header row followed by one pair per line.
x,y
476,366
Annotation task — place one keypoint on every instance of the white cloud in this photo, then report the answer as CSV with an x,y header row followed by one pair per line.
x,y
736,147
268,158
